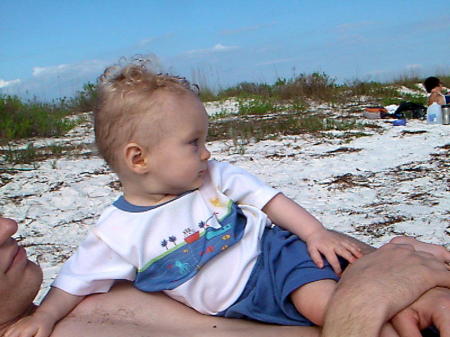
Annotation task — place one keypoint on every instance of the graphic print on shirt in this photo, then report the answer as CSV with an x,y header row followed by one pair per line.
x,y
181,261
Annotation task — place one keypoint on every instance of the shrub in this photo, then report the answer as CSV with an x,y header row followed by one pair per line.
x,y
247,89
206,94
30,119
316,86
257,106
84,99
408,80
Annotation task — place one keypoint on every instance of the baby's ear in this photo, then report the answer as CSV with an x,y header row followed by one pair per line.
x,y
136,158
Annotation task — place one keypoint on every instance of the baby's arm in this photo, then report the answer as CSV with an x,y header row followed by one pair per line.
x,y
56,305
292,217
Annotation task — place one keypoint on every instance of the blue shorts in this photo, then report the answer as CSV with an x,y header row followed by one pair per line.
x,y
283,266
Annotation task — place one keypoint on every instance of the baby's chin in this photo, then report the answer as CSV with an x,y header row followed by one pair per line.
x,y
197,185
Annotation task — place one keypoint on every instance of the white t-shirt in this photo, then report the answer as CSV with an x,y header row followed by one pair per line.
x,y
167,247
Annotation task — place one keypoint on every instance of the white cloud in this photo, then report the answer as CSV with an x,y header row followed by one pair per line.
x,y
414,66
65,69
218,48
57,80
4,84
40,71
64,79
221,47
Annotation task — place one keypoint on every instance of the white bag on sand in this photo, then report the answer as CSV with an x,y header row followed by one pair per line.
x,y
434,114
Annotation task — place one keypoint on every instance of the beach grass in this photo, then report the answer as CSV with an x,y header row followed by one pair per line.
x,y
264,110
19,119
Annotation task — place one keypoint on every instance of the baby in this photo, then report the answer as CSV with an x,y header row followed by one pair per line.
x,y
208,234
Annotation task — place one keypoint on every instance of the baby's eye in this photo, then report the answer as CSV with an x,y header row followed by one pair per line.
x,y
194,142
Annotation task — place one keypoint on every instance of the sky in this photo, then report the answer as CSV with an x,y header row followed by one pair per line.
x,y
50,49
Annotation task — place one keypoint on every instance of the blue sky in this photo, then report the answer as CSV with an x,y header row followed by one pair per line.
x,y
49,49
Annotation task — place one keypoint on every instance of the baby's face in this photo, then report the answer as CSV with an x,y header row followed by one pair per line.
x,y
179,161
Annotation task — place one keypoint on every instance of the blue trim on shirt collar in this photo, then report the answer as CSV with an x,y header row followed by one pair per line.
x,y
126,206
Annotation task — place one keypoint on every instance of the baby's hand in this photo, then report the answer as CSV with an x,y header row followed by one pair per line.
x,y
37,325
330,245
438,251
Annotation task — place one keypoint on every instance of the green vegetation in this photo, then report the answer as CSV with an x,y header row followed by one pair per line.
x,y
320,87
22,120
419,99
31,153
85,99
315,86
257,106
26,155
246,128
264,111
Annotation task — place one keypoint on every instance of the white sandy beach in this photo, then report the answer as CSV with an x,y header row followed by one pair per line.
x,y
395,181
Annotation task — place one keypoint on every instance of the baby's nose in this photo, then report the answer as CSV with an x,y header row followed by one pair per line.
x,y
205,154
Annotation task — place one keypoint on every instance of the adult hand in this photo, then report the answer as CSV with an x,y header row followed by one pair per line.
x,y
438,251
379,285
397,270
432,308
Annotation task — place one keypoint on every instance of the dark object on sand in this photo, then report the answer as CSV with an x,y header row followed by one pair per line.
x,y
399,122
375,112
410,110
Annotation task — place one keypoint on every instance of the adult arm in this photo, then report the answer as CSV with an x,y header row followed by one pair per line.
x,y
126,311
378,286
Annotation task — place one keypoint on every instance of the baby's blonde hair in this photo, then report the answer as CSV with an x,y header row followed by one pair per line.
x,y
124,95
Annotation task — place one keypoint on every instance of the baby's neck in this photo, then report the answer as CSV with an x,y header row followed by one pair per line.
x,y
144,193
148,200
